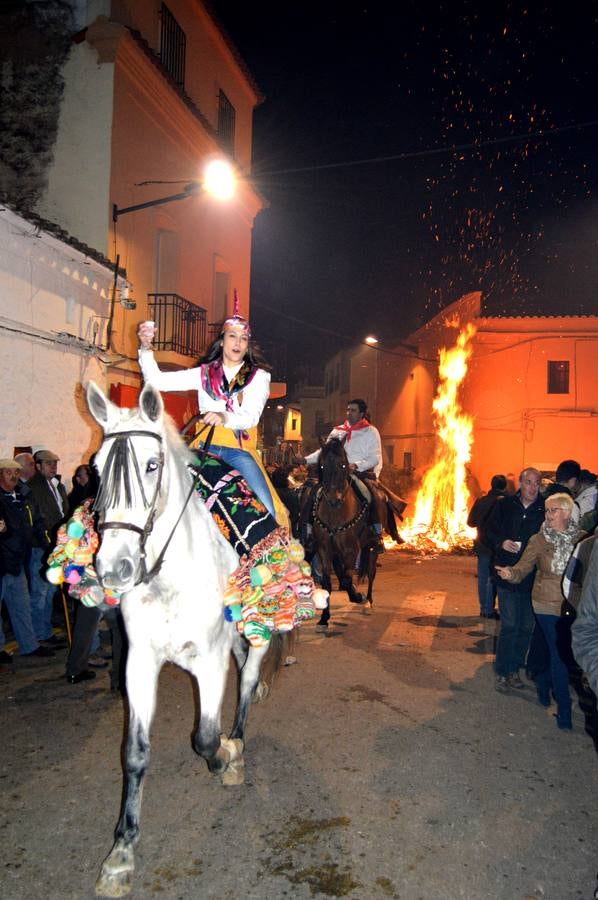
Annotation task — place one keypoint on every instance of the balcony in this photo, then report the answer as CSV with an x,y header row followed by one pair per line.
x,y
181,326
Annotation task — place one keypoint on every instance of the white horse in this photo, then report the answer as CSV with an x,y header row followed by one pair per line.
x,y
162,550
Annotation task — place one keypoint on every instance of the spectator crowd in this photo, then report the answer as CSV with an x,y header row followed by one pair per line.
x,y
537,561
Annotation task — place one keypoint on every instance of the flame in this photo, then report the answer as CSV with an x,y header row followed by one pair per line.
x,y
440,517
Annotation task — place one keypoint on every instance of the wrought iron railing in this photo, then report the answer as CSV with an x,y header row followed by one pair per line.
x,y
173,46
181,326
226,122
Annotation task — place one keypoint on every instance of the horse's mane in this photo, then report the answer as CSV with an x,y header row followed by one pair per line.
x,y
333,447
334,465
121,464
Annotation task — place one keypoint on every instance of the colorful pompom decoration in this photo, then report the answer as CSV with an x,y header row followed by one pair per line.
x,y
71,561
272,590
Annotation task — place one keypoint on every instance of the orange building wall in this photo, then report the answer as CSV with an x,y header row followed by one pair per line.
x,y
517,423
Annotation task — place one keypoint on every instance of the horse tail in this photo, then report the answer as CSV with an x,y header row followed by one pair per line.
x,y
364,562
281,645
392,524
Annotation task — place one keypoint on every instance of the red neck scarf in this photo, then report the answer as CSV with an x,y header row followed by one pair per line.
x,y
349,429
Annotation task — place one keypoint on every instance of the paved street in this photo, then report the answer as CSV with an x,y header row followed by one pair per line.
x,y
384,765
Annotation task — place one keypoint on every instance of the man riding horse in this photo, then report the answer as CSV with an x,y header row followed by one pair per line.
x,y
362,445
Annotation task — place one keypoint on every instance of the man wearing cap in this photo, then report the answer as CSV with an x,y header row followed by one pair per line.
x,y
20,521
51,498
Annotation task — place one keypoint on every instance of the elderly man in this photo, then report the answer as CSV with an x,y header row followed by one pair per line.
x,y
27,463
51,497
511,525
20,520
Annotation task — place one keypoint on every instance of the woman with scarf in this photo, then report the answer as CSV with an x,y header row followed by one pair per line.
x,y
548,552
233,384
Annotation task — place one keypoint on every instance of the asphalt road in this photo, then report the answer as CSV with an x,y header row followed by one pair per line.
x,y
384,765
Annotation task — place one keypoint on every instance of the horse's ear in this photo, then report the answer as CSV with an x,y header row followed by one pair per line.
x,y
99,406
150,403
322,440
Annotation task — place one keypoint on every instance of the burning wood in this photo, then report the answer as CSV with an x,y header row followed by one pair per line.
x,y
440,518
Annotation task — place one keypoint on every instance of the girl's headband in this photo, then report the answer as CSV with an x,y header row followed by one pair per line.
x,y
236,320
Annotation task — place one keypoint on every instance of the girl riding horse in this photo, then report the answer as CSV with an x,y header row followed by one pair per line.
x,y
233,384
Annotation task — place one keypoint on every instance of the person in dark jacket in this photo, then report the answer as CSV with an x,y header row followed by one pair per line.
x,y
50,495
84,487
584,632
479,517
513,521
20,522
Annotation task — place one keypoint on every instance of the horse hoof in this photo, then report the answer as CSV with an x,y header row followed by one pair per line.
x,y
116,875
367,608
356,598
234,748
112,884
261,692
321,628
235,774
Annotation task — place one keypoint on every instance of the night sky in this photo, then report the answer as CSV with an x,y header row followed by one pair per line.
x,y
409,157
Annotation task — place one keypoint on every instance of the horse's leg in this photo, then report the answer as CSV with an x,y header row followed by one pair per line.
x,y
326,579
116,874
218,751
349,549
372,564
250,685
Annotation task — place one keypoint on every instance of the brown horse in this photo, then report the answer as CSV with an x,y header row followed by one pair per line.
x,y
341,528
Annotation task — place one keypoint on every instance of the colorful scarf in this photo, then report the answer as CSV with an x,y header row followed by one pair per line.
x,y
349,429
563,543
215,384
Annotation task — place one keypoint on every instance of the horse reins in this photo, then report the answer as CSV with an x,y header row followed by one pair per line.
x,y
332,531
117,458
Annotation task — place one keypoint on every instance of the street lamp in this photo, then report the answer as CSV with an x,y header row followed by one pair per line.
x,y
218,180
371,341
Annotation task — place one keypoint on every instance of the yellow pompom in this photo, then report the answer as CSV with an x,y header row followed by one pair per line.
x,y
295,552
260,574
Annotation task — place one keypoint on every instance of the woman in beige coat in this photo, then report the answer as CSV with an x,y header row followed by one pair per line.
x,y
548,552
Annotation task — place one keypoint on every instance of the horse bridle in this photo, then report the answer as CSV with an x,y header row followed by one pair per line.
x,y
144,533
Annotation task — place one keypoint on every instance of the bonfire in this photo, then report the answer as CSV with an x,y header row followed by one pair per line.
x,y
439,521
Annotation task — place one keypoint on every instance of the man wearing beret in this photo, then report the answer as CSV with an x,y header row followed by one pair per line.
x,y
51,498
20,520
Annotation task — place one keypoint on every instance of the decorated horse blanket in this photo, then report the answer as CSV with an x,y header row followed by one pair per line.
x,y
271,590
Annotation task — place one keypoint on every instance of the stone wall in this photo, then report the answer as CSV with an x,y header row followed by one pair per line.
x,y
35,39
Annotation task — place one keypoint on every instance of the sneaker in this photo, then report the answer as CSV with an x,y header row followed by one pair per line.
x,y
502,684
5,658
515,680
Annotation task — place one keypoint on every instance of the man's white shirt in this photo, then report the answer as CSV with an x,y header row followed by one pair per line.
x,y
364,448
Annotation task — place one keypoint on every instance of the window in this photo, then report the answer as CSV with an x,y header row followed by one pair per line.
x,y
226,122
407,462
173,44
558,376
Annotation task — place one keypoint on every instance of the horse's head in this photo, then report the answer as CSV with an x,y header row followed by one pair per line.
x,y
334,471
133,485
